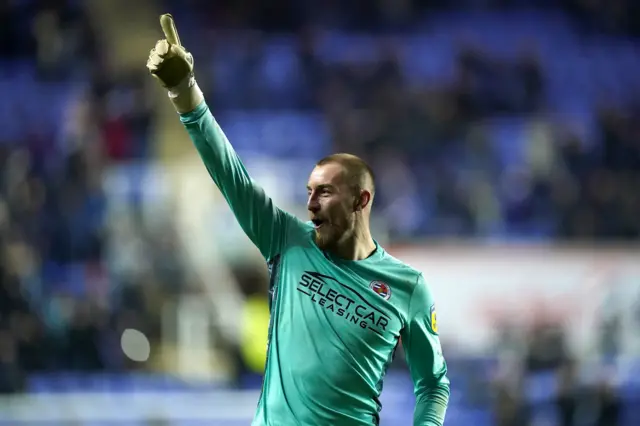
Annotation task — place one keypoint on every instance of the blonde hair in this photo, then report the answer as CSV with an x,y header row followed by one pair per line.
x,y
358,173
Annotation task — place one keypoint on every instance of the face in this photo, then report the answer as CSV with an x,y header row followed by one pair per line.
x,y
331,205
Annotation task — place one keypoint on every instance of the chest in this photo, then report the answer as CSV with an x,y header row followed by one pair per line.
x,y
359,304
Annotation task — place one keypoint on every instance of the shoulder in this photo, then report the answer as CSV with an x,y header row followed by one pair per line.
x,y
296,234
402,271
301,228
299,233
415,299
411,279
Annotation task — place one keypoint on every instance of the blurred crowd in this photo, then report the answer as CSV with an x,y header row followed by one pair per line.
x,y
433,142
66,292
573,191
55,295
590,16
548,382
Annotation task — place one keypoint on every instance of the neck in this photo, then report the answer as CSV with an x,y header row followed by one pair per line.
x,y
357,246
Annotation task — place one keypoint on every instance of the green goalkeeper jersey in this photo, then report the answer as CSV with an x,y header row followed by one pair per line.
x,y
335,324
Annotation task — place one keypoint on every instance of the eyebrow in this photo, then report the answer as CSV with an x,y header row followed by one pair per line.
x,y
321,186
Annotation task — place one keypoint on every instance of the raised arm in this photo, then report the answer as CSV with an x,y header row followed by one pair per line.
x,y
424,357
264,223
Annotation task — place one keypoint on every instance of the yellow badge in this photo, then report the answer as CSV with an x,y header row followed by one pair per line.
x,y
434,319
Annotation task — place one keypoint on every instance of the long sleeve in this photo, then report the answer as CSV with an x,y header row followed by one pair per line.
x,y
424,357
265,224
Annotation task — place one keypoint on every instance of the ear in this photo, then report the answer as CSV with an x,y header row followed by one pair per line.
x,y
362,200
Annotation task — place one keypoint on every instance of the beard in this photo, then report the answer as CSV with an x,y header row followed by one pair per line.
x,y
327,237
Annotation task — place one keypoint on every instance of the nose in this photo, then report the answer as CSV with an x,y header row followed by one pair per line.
x,y
313,205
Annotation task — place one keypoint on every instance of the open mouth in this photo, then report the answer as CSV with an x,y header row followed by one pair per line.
x,y
317,223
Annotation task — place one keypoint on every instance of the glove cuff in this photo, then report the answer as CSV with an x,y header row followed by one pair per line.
x,y
186,96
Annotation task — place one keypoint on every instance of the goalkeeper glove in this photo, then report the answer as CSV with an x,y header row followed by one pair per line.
x,y
172,67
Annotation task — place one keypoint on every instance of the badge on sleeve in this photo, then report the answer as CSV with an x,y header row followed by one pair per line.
x,y
434,319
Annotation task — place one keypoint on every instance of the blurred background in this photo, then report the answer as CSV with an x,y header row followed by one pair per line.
x,y
506,139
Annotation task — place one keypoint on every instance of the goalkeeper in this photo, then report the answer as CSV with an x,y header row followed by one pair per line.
x,y
340,304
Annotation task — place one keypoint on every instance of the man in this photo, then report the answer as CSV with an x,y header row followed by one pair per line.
x,y
339,303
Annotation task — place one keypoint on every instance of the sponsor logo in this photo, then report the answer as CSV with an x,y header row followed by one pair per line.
x,y
342,301
434,319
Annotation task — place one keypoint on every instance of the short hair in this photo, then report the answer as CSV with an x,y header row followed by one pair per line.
x,y
357,171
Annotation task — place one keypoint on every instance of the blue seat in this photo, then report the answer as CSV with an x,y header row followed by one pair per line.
x,y
337,47
283,135
540,387
509,138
